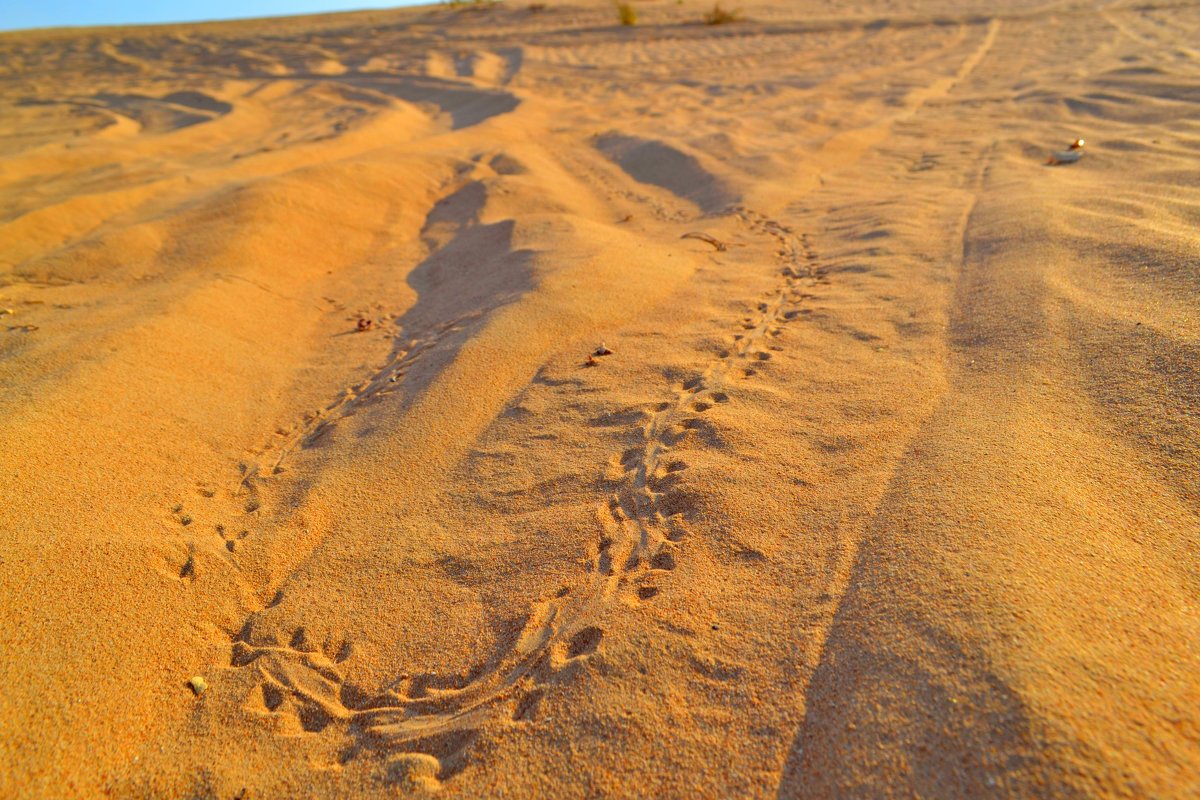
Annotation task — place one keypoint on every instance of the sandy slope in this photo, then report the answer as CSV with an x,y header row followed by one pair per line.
x,y
898,494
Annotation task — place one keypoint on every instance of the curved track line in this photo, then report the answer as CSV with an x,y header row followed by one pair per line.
x,y
638,541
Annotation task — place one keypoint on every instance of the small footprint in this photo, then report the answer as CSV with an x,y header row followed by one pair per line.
x,y
188,571
527,707
664,560
585,642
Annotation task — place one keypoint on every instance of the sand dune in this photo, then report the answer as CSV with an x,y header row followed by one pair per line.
x,y
890,487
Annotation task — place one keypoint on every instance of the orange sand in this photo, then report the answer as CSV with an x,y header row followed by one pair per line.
x,y
896,495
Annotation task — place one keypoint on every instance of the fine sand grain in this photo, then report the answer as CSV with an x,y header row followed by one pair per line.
x,y
316,478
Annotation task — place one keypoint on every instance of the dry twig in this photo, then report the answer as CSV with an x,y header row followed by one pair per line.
x,y
704,237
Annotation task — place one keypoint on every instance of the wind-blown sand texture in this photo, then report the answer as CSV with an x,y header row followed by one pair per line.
x,y
896,495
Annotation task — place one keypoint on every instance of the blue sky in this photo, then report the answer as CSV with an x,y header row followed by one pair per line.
x,y
55,13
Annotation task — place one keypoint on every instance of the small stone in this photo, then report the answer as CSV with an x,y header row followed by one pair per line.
x,y
416,770
602,350
198,685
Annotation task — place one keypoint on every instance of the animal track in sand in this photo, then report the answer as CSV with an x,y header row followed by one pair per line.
x,y
196,516
428,721
796,252
317,423
261,464
619,189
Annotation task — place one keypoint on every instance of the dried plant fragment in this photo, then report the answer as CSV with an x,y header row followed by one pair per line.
x,y
704,237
